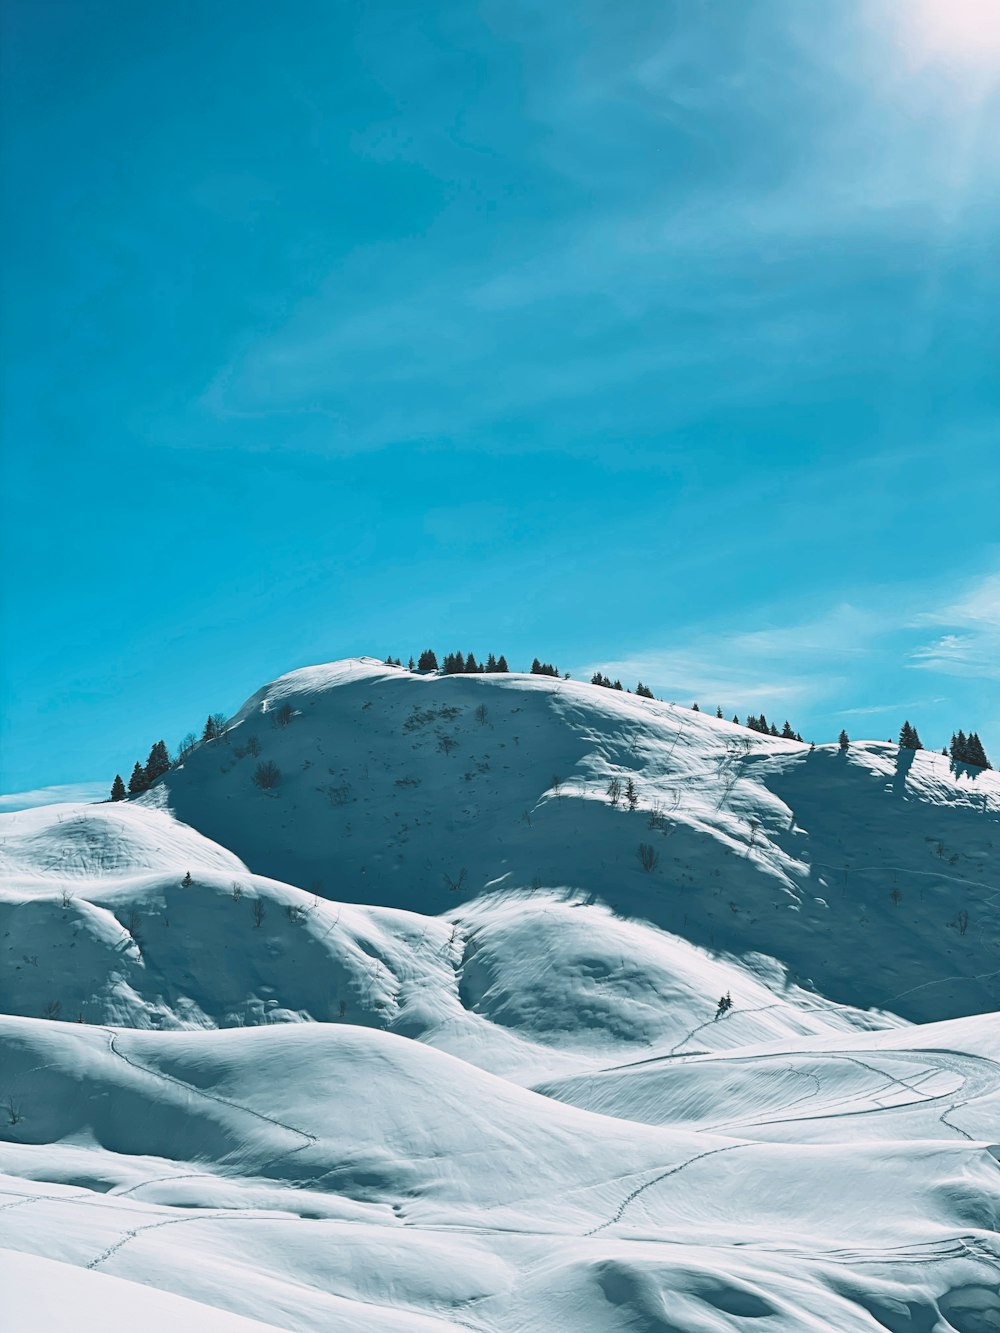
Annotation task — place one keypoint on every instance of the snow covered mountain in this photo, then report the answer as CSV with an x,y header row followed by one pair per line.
x,y
488,1085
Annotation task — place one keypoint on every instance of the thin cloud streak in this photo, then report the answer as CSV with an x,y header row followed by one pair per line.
x,y
56,795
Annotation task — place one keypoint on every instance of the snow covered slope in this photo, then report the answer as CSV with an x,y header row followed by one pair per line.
x,y
413,1040
317,1176
869,873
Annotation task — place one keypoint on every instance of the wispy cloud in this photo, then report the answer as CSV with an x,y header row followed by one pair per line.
x,y
784,664
70,791
971,646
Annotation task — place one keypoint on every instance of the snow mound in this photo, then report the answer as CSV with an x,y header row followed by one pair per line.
x,y
57,843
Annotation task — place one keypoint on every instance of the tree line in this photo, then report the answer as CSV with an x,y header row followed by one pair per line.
x,y
964,749
160,762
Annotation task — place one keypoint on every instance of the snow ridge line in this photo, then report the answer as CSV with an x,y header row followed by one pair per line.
x,y
673,1171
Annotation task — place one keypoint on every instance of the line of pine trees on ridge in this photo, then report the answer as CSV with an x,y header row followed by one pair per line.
x,y
968,750
160,762
962,750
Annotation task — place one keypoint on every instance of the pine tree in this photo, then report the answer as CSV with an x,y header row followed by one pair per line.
x,y
958,747
798,737
118,788
409,665
209,733
787,732
491,663
774,730
643,691
736,720
428,661
908,738
718,711
502,663
631,795
158,763
536,667
843,740
975,754
695,708
137,782
471,664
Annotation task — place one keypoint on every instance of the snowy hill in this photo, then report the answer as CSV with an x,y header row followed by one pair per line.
x,y
853,869
425,1036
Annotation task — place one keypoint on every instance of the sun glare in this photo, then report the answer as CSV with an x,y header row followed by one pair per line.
x,y
955,32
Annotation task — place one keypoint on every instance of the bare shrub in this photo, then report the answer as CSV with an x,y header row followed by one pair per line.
x,y
961,922
186,746
221,723
51,1010
253,746
649,857
258,912
482,715
446,743
338,795
267,775
455,885
657,819
12,1108
237,891
282,716
615,791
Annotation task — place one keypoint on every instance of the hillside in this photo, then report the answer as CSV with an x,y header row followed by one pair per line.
x,y
853,869
412,1040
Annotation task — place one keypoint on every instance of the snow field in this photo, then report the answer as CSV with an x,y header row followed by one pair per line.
x,y
423,1046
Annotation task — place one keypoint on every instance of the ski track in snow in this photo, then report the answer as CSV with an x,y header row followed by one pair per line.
x,y
664,1175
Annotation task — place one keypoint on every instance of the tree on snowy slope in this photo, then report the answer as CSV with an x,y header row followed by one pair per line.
x,y
843,740
427,661
118,788
158,763
977,755
137,782
908,738
969,750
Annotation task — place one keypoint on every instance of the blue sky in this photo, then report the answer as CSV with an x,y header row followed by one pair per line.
x,y
660,338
